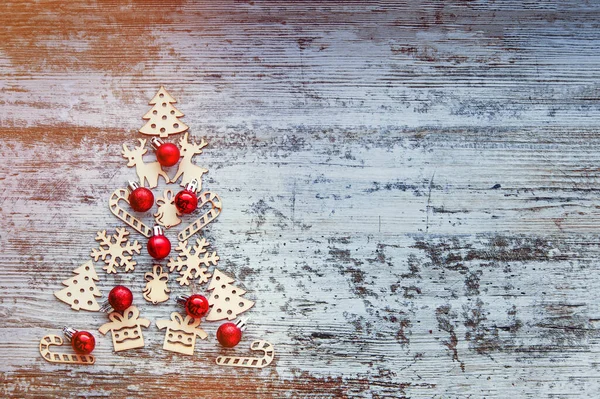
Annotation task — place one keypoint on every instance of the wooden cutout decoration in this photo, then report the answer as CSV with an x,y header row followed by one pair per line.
x,y
226,299
145,171
53,357
129,219
167,214
114,254
187,170
156,290
80,290
204,198
126,329
181,333
193,265
251,362
163,117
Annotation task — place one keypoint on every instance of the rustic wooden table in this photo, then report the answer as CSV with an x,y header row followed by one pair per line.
x,y
409,189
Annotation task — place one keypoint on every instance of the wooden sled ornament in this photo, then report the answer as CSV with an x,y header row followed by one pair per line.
x,y
204,198
129,219
53,357
250,362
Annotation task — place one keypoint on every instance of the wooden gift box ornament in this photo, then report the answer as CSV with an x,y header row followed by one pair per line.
x,y
126,329
181,333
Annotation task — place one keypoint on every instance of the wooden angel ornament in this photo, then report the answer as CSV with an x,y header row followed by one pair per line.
x,y
163,118
181,333
226,299
126,329
167,214
156,290
81,290
145,171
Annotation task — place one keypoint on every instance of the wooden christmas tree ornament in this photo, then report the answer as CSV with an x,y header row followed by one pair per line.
x,y
126,329
145,171
80,291
226,299
181,333
215,210
193,261
53,357
163,117
156,289
167,215
250,362
113,252
129,219
187,170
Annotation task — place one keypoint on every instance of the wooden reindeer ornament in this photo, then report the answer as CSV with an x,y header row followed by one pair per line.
x,y
187,170
181,333
145,171
167,214
156,289
250,362
65,358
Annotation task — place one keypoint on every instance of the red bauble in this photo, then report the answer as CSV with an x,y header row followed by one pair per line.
x,y
159,247
167,154
196,306
229,335
186,201
83,342
141,199
120,298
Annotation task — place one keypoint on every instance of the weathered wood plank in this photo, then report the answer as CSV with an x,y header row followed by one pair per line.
x,y
409,190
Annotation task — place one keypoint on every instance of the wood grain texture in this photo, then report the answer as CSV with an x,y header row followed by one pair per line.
x,y
409,191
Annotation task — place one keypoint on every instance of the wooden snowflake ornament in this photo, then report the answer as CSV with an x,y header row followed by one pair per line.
x,y
163,118
114,250
156,290
80,291
226,299
126,329
193,261
181,333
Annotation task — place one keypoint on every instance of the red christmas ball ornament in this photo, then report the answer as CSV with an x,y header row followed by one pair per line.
x,y
196,305
167,154
140,198
82,341
159,246
120,298
186,200
230,334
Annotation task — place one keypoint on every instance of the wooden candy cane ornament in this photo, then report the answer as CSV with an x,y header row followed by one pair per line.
x,y
129,219
54,357
204,198
250,362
